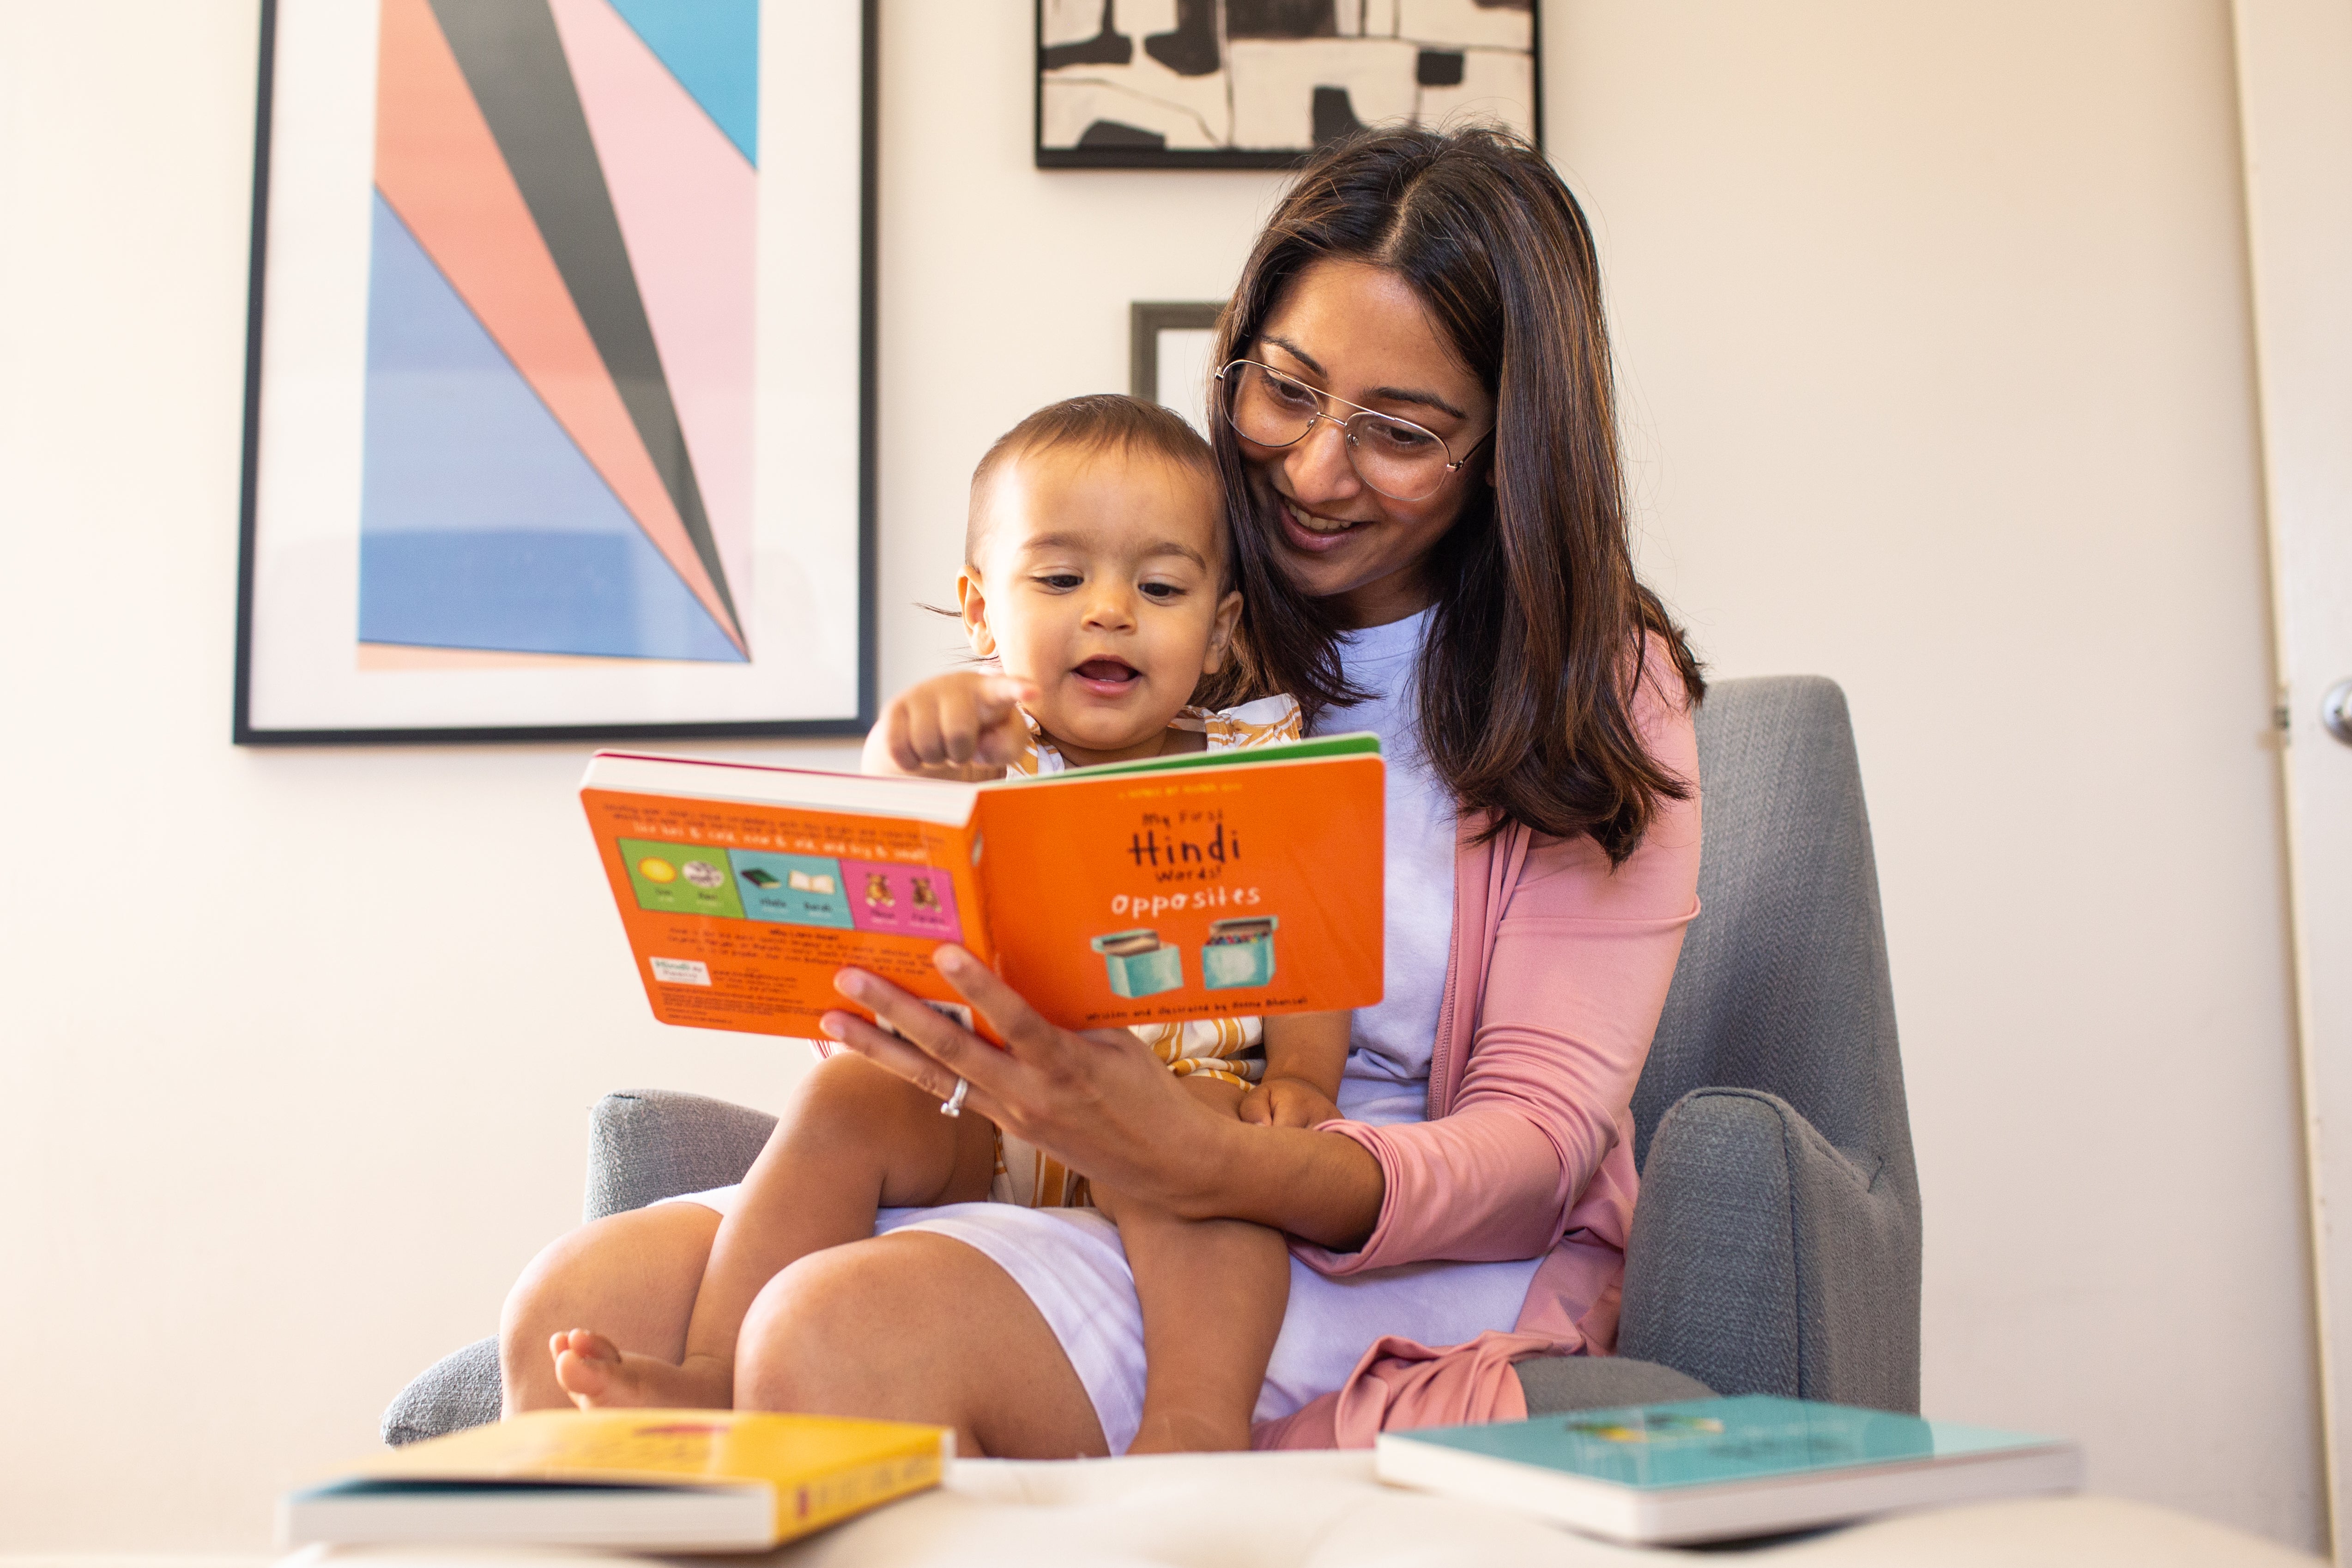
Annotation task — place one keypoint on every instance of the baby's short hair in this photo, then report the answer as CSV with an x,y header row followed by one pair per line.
x,y
1100,421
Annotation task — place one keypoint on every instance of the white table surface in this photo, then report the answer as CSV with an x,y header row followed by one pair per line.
x,y
1325,1510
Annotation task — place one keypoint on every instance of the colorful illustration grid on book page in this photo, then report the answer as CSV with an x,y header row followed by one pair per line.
x,y
742,913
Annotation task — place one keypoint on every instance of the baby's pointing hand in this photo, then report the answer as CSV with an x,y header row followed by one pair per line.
x,y
964,725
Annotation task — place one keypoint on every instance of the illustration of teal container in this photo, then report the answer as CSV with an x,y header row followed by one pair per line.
x,y
1140,965
1238,953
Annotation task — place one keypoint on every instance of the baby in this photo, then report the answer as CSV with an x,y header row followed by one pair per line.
x,y
1097,577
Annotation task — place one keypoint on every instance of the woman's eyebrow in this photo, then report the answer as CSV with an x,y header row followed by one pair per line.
x,y
1384,393
1427,399
1292,350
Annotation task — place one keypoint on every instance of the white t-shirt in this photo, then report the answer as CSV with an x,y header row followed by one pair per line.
x,y
1389,1044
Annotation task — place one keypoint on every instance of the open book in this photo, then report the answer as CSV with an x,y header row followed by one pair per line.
x,y
1214,884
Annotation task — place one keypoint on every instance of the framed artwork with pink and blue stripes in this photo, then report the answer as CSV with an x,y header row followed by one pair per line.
x,y
558,403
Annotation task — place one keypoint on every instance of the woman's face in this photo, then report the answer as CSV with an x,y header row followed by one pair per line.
x,y
1359,332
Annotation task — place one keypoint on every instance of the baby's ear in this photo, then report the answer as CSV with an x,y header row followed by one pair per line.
x,y
1221,632
973,606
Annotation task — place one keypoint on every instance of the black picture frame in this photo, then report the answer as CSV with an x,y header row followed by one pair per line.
x,y
1146,319
1144,157
245,731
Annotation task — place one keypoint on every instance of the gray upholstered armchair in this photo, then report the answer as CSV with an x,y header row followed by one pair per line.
x,y
1776,1247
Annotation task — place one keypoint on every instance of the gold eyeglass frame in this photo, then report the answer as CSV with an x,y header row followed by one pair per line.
x,y
1453,464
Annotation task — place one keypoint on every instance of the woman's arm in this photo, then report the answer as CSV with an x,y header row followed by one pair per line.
x,y
1103,1104
1533,1135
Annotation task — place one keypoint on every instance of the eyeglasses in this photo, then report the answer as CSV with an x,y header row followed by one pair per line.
x,y
1397,457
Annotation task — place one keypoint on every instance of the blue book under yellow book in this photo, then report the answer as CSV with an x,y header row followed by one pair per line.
x,y
1713,1469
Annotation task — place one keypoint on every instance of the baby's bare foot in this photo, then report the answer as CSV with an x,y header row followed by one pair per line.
x,y
599,1376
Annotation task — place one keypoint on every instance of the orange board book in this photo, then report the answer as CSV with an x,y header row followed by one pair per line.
x,y
1203,886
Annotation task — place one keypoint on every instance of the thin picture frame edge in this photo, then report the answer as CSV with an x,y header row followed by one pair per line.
x,y
1536,71
870,297
1146,319
1046,157
243,732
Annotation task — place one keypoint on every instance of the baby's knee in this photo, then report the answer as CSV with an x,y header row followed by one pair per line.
x,y
810,1334
847,1084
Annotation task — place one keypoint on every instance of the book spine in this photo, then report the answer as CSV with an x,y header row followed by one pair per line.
x,y
978,936
812,1505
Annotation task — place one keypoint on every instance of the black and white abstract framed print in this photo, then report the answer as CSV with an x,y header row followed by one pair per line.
x,y
560,398
1260,84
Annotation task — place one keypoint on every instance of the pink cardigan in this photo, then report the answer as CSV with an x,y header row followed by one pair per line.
x,y
1559,972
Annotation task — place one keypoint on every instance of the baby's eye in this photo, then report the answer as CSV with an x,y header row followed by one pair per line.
x,y
1165,593
1061,581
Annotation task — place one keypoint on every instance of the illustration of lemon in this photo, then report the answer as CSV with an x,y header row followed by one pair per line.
x,y
654,869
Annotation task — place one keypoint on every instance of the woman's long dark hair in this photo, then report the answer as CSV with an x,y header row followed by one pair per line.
x,y
1541,634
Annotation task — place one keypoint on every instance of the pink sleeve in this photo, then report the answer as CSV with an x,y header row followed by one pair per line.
x,y
1537,1142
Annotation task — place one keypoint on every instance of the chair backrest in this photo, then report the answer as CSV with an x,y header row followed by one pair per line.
x,y
1783,983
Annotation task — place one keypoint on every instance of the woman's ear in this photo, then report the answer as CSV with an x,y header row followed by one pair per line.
x,y
1221,632
973,606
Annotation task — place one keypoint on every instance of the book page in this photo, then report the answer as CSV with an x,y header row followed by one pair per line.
x,y
739,913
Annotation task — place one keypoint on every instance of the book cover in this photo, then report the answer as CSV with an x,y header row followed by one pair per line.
x,y
1709,1468
1209,885
674,1479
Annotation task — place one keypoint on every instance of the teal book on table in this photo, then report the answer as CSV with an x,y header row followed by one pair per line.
x,y
1712,1469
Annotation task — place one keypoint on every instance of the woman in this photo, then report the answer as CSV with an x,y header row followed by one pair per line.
x,y
1420,454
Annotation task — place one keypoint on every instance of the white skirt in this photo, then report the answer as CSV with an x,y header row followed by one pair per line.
x,y
1070,1263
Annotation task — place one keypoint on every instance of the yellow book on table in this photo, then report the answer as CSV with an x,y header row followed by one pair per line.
x,y
667,1480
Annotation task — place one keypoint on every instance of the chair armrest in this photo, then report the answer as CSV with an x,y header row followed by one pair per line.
x,y
460,1390
1555,1384
1765,1260
648,1144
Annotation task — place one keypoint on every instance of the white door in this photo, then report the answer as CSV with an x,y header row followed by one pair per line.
x,y
2294,85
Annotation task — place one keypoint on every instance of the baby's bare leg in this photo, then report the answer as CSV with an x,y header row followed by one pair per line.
x,y
1213,1293
853,1139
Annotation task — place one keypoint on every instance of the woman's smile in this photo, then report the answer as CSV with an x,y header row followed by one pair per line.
x,y
1311,530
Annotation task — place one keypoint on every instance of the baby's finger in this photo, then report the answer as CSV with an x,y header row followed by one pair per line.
x,y
999,695
923,734
899,740
1255,1109
1003,741
959,729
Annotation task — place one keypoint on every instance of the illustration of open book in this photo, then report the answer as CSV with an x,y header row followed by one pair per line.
x,y
1140,892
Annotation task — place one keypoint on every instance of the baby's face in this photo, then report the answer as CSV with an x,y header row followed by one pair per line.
x,y
1100,583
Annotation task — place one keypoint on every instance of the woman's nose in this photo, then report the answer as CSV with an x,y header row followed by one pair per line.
x,y
1317,467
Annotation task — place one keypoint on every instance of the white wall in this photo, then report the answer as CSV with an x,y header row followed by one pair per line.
x,y
1938,367
1934,332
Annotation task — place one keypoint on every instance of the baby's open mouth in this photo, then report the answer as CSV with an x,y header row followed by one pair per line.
x,y
1107,673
